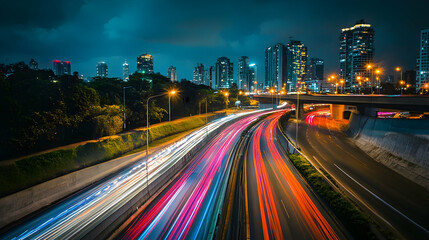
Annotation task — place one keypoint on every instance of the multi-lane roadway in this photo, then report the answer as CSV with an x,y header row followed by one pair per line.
x,y
394,200
279,203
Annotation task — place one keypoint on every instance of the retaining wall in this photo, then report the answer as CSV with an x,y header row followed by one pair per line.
x,y
401,144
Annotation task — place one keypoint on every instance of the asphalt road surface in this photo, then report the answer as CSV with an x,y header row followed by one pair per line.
x,y
279,203
394,200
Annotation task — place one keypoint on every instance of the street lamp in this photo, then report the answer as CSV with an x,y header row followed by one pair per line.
x,y
369,67
125,124
172,92
342,85
226,100
378,72
398,69
359,78
272,97
147,136
401,83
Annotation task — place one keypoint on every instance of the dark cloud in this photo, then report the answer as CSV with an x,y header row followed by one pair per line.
x,y
182,33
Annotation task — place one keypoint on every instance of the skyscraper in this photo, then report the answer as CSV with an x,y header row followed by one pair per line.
x,y
61,67
209,74
315,71
33,65
102,70
198,74
275,65
422,76
243,73
224,73
356,52
253,80
125,71
296,55
145,64
171,74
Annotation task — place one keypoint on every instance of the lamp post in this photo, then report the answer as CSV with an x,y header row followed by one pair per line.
x,y
378,72
398,69
401,83
272,97
172,92
125,124
342,85
369,67
226,100
359,78
297,113
147,136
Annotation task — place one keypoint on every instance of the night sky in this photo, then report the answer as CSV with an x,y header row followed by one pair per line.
x,y
182,33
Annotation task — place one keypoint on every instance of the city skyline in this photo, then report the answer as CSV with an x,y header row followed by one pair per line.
x,y
194,38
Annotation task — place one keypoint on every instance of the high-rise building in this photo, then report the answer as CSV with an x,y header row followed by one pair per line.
x,y
145,64
61,67
209,74
102,70
422,76
253,80
198,74
296,63
243,73
315,71
125,71
275,65
33,65
171,74
356,52
224,73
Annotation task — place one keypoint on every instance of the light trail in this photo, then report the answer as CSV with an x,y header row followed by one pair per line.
x,y
190,207
76,216
270,170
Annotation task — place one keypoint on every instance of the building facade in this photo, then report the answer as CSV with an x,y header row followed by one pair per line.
x,y
172,74
422,75
254,85
145,64
125,71
275,65
224,73
209,74
61,67
243,73
198,74
296,64
356,53
314,78
102,70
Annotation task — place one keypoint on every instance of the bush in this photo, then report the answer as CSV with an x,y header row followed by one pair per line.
x,y
347,212
36,169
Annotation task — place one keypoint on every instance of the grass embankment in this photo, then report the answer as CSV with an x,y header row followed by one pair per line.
x,y
352,218
30,171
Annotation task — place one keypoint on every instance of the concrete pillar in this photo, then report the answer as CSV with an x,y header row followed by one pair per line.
x,y
337,111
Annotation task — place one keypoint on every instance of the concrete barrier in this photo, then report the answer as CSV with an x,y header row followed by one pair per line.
x,y
401,144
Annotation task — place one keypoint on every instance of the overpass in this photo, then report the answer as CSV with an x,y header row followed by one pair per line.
x,y
365,104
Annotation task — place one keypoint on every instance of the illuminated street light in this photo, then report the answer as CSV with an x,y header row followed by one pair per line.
x,y
172,92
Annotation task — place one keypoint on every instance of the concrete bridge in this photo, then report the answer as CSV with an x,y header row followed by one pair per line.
x,y
365,104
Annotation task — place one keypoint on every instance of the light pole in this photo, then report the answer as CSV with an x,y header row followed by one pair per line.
x,y
226,101
125,124
377,72
342,85
359,78
272,97
297,113
398,69
401,83
172,92
147,136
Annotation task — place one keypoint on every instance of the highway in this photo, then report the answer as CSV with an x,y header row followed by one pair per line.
x,y
190,206
394,200
279,203
79,214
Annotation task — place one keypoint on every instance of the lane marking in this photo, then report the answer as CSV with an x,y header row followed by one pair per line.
x,y
285,208
396,210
